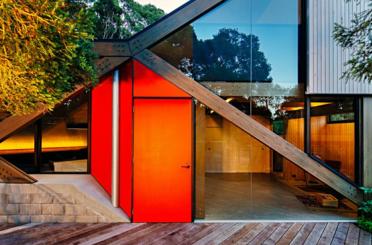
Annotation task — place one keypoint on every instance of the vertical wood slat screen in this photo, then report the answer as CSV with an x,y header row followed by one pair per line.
x,y
326,58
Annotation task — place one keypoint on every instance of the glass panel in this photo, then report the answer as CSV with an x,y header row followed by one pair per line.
x,y
239,178
64,137
19,149
240,41
333,133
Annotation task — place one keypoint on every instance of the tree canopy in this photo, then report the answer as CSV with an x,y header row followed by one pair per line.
x,y
358,38
120,19
46,45
232,56
46,49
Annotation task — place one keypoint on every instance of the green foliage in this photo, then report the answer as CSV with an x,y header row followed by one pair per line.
x,y
46,50
365,212
120,19
358,38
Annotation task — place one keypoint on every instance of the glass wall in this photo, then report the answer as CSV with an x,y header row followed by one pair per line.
x,y
19,149
63,140
65,137
333,133
249,44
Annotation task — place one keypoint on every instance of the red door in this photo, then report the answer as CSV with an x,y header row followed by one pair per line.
x,y
162,160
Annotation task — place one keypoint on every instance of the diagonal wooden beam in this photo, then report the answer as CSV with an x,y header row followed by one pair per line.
x,y
249,125
107,64
113,48
12,174
170,23
13,124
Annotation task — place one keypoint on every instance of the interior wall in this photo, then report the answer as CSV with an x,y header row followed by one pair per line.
x,y
295,135
231,150
329,141
334,141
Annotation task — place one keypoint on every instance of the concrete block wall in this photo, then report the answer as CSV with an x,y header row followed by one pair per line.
x,y
35,203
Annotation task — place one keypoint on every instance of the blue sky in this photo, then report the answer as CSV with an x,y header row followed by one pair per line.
x,y
275,24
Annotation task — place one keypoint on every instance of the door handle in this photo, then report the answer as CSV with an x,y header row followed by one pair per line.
x,y
185,166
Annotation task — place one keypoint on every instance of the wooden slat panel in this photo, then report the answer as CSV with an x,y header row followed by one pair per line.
x,y
249,125
326,58
170,23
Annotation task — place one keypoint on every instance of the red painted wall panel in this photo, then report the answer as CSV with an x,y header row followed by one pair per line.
x,y
101,131
125,139
149,84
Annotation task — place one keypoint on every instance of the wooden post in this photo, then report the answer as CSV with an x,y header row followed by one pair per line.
x,y
367,142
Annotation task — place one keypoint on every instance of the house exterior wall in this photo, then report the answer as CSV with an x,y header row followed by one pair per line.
x,y
101,135
326,59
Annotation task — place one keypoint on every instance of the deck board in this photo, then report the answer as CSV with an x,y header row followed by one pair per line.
x,y
185,233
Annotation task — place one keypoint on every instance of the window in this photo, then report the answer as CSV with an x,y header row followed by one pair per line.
x,y
332,128
342,117
251,42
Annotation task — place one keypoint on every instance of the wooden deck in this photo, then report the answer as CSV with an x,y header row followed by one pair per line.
x,y
168,233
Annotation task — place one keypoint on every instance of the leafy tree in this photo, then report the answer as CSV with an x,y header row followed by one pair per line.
x,y
358,38
108,21
232,56
120,19
45,51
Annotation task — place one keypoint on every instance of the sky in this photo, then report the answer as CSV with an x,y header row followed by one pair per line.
x,y
166,5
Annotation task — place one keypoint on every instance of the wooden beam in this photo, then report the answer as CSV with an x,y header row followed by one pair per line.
x,y
170,23
11,174
107,64
107,49
249,125
13,124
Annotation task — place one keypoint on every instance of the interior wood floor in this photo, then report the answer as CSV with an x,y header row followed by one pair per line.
x,y
175,233
230,196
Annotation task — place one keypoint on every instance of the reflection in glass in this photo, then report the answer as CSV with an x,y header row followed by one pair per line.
x,y
239,178
333,133
64,137
251,42
19,149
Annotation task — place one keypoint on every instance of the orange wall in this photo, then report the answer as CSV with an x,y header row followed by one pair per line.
x,y
334,141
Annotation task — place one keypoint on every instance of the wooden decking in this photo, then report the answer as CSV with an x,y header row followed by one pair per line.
x,y
172,233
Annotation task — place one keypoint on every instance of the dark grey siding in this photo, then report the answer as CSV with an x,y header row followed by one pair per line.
x,y
326,58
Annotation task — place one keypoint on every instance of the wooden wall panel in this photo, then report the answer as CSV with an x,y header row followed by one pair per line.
x,y
230,150
295,135
326,58
335,141
200,147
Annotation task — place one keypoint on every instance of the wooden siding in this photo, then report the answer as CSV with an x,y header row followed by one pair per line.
x,y
326,58
249,125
